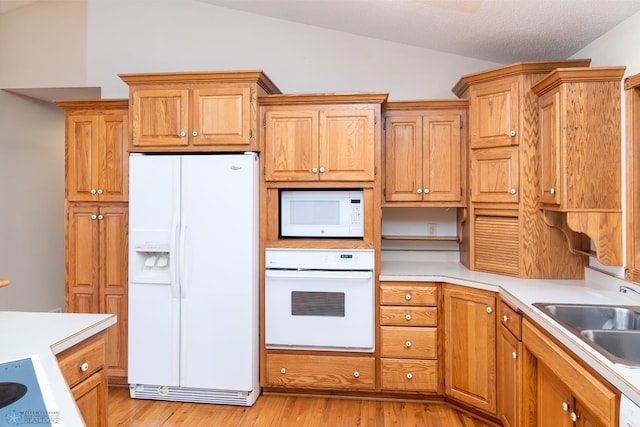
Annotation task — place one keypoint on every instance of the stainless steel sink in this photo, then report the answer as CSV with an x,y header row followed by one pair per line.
x,y
614,331
594,316
623,346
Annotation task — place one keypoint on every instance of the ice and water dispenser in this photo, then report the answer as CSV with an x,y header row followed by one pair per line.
x,y
151,261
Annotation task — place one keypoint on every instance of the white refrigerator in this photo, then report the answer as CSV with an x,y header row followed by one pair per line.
x,y
193,278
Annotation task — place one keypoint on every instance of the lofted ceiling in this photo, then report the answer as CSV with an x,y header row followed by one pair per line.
x,y
502,31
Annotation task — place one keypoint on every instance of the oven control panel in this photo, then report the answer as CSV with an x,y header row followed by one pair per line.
x,y
320,259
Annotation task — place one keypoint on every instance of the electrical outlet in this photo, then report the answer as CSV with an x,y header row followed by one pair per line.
x,y
432,229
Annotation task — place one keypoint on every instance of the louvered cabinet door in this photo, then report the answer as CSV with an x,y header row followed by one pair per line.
x,y
496,244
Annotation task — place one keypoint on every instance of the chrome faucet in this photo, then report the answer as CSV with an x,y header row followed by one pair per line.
x,y
624,289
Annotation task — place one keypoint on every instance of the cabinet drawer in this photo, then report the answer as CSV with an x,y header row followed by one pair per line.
x,y
411,343
410,375
325,372
409,316
426,294
83,359
511,319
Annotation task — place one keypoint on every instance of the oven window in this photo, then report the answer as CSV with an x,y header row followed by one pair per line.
x,y
317,304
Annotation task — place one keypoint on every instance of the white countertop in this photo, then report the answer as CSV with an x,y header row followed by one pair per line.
x,y
43,335
597,288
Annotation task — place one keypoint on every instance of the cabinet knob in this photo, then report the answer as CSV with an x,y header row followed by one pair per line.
x,y
408,344
314,170
513,191
183,133
94,216
84,367
489,310
514,355
195,133
409,376
565,406
100,191
505,318
426,191
93,191
552,191
408,317
407,297
356,374
512,133
100,217
574,417
322,170
283,371
419,190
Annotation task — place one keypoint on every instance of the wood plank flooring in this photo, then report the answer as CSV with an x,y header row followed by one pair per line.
x,y
284,411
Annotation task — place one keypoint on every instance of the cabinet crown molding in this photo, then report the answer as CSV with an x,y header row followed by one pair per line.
x,y
577,75
324,98
430,104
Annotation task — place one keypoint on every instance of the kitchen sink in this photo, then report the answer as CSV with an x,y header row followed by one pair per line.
x,y
614,331
594,316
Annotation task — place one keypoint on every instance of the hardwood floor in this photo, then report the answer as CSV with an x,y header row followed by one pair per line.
x,y
284,411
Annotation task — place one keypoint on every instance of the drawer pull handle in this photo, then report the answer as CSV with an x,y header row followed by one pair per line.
x,y
407,297
505,318
283,371
408,344
84,367
574,417
409,376
356,374
408,317
565,406
514,355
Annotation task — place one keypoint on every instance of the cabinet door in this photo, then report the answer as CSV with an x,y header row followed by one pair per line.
x,y
113,174
493,114
221,116
441,158
82,265
470,347
91,398
550,156
113,283
509,378
347,145
159,117
554,400
291,145
495,175
82,157
403,159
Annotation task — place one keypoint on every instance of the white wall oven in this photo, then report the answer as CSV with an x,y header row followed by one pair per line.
x,y
319,299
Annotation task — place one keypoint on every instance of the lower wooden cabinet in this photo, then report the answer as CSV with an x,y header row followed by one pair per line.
x,y
470,346
510,378
320,372
410,375
83,367
561,391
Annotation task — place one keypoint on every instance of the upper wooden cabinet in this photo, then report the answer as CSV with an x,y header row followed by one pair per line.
x,y
632,114
321,137
208,111
494,117
96,150
580,154
425,148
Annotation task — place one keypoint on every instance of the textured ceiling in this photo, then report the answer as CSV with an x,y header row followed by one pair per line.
x,y
502,31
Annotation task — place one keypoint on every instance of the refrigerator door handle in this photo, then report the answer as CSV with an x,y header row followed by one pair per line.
x,y
181,257
172,257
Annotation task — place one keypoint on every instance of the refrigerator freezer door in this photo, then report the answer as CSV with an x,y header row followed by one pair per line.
x,y
219,337
154,295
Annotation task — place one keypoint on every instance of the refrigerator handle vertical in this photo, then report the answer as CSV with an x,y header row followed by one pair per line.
x,y
181,257
175,284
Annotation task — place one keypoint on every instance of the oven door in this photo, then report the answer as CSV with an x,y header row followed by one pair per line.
x,y
320,310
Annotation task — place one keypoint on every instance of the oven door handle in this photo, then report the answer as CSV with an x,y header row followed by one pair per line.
x,y
314,274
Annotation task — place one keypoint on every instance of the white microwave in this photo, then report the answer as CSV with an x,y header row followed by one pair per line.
x,y
321,213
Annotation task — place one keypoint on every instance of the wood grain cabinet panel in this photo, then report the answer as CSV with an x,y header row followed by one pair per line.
x,y
395,293
415,342
510,379
410,375
494,117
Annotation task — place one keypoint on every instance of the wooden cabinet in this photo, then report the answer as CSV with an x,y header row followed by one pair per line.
x,y
96,150
470,346
208,111
96,272
561,391
320,372
580,154
510,380
424,146
83,367
321,137
504,175
96,217
632,182
409,337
